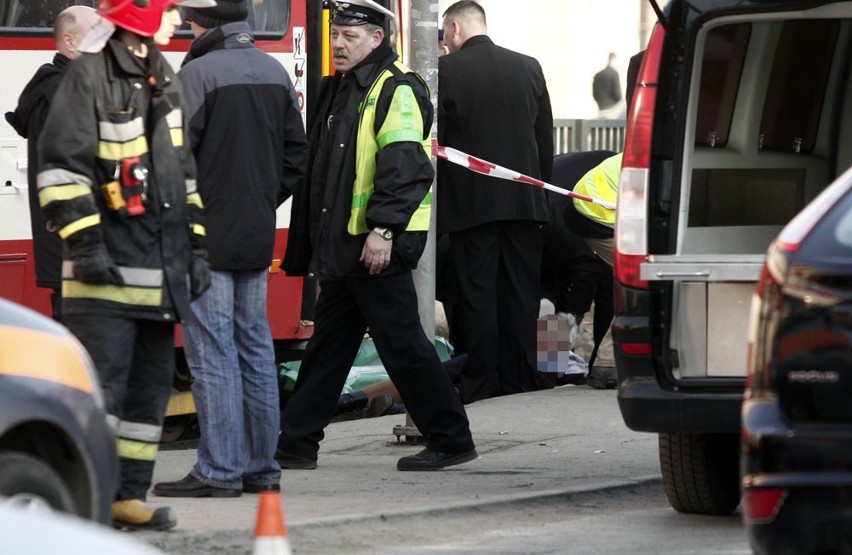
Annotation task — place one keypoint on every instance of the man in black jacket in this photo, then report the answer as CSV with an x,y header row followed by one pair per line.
x,y
70,27
360,227
493,103
250,146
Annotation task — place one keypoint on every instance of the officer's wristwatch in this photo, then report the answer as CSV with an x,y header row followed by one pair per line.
x,y
385,233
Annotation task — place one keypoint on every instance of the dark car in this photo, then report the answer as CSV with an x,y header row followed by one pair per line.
x,y
56,448
741,116
797,411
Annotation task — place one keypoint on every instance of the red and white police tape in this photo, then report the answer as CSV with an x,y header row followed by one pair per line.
x,y
478,165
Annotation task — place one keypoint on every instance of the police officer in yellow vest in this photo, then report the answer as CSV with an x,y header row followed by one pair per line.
x,y
359,226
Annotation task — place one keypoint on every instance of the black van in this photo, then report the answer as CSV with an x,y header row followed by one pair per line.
x,y
741,115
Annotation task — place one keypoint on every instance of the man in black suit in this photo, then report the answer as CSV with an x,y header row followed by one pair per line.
x,y
493,103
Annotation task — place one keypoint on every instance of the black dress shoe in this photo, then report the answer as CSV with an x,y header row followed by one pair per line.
x,y
190,486
249,487
428,459
294,462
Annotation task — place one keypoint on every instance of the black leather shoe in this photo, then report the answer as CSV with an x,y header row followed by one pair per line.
x,y
294,462
434,460
248,487
190,486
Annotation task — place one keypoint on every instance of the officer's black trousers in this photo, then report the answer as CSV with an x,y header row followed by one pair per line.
x,y
344,311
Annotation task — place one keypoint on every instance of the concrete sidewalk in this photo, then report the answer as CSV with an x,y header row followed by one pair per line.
x,y
531,445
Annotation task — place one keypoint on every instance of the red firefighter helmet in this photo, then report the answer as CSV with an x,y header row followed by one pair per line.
x,y
143,17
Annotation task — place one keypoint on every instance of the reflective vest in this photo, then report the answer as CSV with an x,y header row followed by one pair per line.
x,y
601,182
403,123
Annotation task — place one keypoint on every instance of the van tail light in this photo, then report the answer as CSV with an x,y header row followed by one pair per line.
x,y
761,505
631,230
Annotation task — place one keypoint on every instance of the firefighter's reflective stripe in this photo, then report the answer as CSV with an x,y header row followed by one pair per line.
x,y
191,187
403,123
142,286
117,151
47,195
122,140
174,120
601,182
121,132
77,225
137,441
115,293
199,229
49,178
141,277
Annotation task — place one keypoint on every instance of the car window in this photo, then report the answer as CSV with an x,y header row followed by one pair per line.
x,y
832,235
843,229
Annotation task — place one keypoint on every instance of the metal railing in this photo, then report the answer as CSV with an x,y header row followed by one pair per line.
x,y
580,135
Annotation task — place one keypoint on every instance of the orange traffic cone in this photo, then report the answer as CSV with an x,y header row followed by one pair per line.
x,y
270,534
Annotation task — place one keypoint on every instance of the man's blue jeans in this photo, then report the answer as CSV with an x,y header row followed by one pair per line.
x,y
229,350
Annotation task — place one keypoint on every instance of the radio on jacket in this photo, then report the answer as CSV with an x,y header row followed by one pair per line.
x,y
134,179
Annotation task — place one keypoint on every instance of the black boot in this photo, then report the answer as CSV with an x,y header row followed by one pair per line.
x,y
350,402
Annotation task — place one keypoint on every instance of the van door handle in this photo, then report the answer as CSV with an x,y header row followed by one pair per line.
x,y
703,273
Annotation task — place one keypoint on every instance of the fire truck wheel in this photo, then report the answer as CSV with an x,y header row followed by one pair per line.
x,y
32,483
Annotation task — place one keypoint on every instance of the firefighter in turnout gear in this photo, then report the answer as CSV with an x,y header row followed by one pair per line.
x,y
117,181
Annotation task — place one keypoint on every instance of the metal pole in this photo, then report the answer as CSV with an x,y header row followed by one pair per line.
x,y
423,58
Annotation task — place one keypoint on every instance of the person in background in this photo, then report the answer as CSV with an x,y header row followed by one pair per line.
x,y
606,89
495,240
69,29
360,225
250,146
118,183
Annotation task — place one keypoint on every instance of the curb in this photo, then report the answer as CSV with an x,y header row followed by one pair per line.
x,y
238,540
497,501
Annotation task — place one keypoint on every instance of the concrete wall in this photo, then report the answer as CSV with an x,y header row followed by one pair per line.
x,y
571,39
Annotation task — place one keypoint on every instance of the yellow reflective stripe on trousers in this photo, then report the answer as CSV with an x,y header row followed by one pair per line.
x,y
55,193
194,199
77,225
116,151
136,296
136,450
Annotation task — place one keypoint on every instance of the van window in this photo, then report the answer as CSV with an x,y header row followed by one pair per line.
x,y
797,84
721,68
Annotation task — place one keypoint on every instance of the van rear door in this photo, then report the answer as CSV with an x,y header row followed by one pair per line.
x,y
766,118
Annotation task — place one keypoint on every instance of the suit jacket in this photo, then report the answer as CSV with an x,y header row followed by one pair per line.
x,y
492,103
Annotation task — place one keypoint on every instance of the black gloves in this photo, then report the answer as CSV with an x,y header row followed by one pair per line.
x,y
95,265
199,274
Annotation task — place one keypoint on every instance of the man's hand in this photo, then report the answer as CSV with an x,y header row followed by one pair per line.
x,y
376,253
